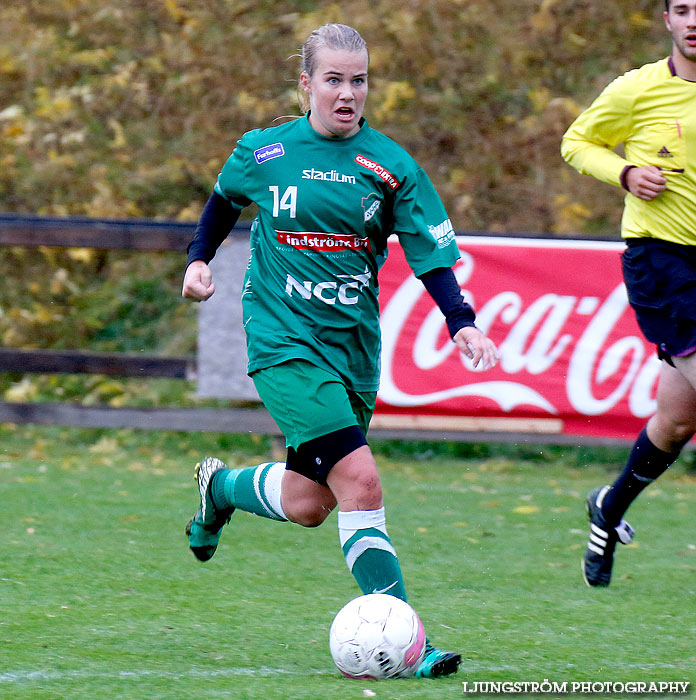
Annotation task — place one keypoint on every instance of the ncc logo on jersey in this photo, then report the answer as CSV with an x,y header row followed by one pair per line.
x,y
275,150
330,292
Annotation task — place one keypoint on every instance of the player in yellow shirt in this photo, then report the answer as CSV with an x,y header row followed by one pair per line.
x,y
652,111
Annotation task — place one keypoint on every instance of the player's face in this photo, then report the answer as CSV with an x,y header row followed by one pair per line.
x,y
337,91
681,22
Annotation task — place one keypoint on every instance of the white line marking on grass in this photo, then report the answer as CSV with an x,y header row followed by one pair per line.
x,y
29,676
486,668
46,675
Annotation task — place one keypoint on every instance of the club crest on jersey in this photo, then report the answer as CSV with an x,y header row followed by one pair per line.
x,y
370,205
378,170
275,150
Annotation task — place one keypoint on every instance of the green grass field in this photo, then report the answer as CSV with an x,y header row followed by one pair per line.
x,y
100,597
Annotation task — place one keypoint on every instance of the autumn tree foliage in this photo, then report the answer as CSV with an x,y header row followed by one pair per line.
x,y
128,108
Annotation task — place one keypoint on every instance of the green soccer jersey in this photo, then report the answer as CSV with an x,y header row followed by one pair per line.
x,y
326,207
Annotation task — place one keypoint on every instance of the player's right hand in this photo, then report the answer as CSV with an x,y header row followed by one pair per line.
x,y
646,182
198,282
477,347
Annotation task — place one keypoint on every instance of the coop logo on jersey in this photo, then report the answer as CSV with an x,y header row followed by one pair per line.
x,y
275,150
443,233
331,292
307,240
378,170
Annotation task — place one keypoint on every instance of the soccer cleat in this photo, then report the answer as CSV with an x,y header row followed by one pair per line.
x,y
437,663
204,529
599,555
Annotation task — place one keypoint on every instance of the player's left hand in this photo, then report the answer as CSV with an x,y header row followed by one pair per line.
x,y
477,347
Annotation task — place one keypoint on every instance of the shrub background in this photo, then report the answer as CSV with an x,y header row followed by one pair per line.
x,y
128,108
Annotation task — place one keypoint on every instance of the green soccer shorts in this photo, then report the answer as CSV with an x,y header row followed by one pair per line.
x,y
307,402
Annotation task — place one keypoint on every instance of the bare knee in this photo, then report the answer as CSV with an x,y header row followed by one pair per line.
x,y
355,481
671,433
674,422
309,514
304,501
368,492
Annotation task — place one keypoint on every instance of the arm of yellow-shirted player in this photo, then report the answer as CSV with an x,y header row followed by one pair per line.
x,y
589,143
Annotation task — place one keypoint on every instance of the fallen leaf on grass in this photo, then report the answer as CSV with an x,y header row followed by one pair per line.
x,y
526,510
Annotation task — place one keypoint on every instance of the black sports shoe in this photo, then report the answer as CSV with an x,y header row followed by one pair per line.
x,y
204,529
438,663
599,555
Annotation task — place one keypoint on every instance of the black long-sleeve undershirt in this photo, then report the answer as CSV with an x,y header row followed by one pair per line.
x,y
215,224
443,287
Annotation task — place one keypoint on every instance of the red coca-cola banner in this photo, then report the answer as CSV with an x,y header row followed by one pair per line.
x,y
573,360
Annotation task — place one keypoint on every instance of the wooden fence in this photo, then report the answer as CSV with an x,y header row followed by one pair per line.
x,y
135,235
147,235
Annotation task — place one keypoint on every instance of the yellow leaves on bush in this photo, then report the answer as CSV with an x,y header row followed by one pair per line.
x,y
53,106
639,20
61,283
395,96
404,24
190,213
21,391
8,63
539,98
119,140
13,124
455,81
179,14
84,255
92,58
543,19
12,130
569,216
262,110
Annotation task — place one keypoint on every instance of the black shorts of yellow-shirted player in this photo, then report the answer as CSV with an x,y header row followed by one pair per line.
x,y
311,313
650,110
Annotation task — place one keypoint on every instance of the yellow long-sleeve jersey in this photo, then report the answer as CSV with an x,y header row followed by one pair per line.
x,y
652,112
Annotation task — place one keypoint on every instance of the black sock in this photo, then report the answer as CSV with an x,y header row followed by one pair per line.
x,y
645,463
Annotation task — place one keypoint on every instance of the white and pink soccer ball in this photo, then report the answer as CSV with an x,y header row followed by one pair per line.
x,y
377,636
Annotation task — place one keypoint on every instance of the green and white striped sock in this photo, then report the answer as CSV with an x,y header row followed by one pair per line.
x,y
369,553
253,489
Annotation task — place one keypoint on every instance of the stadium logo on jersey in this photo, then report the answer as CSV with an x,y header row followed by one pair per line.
x,y
378,170
327,176
324,242
330,292
275,150
443,233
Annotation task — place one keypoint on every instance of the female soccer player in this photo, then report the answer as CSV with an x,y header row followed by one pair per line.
x,y
329,190
652,111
